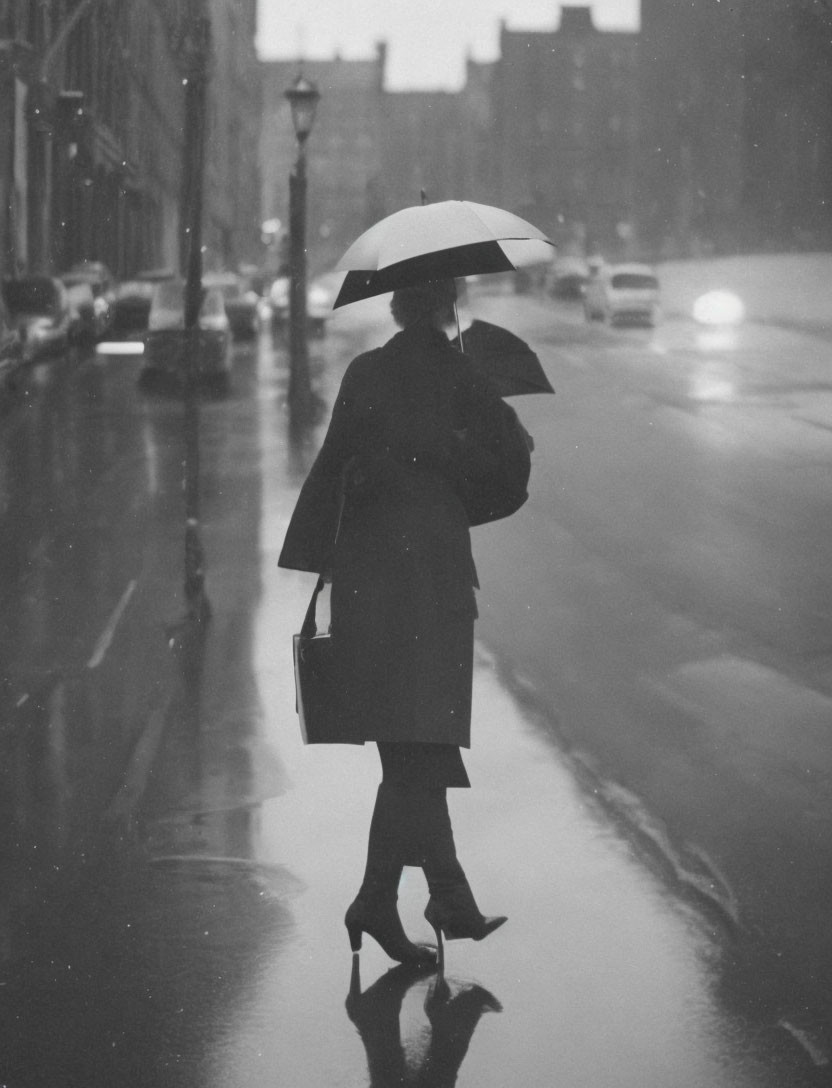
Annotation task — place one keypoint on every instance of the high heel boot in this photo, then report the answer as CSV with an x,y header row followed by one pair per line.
x,y
374,909
454,915
452,910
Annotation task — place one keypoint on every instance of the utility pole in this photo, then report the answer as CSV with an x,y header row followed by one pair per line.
x,y
300,390
303,98
194,49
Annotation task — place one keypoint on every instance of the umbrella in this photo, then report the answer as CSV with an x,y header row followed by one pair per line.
x,y
509,362
438,241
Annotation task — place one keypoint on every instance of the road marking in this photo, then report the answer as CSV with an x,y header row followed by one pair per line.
x,y
103,644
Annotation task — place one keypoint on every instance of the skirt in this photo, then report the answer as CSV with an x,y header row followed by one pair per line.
x,y
426,766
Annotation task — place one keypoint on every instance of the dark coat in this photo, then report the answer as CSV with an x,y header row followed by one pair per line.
x,y
417,444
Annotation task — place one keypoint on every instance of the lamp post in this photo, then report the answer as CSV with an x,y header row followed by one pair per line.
x,y
194,51
303,98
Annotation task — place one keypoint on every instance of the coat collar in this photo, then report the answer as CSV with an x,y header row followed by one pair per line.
x,y
420,336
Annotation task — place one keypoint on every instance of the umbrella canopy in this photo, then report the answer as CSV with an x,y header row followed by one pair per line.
x,y
509,362
438,241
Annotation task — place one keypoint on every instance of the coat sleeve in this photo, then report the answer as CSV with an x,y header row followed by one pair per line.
x,y
310,537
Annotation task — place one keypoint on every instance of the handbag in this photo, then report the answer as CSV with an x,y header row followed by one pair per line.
x,y
316,698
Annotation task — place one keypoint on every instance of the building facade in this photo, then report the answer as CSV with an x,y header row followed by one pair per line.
x,y
787,135
92,134
691,97
736,148
344,153
232,205
565,116
422,148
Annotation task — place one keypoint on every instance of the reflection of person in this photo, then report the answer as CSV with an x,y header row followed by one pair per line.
x,y
453,1015
419,448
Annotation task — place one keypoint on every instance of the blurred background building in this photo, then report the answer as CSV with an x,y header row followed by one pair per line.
x,y
91,134
706,131
344,154
566,126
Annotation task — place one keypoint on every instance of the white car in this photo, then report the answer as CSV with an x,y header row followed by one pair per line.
x,y
623,292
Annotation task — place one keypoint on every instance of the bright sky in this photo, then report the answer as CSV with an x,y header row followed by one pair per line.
x,y
427,40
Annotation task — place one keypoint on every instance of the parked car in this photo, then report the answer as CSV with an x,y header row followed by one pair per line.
x,y
240,302
38,309
11,352
623,293
165,343
91,289
131,304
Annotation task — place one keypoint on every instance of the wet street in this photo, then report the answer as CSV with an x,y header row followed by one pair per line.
x,y
649,762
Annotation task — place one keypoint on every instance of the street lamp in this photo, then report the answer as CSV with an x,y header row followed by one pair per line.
x,y
303,98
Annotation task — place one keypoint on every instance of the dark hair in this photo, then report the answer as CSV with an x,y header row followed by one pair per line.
x,y
422,301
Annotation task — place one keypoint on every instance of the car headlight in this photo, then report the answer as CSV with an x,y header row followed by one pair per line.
x,y
318,296
719,308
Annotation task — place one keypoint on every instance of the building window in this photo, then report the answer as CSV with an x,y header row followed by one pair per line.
x,y
7,19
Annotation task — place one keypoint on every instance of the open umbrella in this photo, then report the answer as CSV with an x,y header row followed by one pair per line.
x,y
445,240
509,362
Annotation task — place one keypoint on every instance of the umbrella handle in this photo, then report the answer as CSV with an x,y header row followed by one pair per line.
x,y
458,328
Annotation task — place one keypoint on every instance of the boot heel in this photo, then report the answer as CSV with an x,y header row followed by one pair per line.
x,y
381,921
440,949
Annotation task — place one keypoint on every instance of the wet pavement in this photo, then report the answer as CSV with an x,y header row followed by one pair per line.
x,y
195,936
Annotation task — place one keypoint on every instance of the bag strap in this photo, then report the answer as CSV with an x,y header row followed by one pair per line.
x,y
309,627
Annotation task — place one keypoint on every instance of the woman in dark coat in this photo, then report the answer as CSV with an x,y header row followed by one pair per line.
x,y
419,448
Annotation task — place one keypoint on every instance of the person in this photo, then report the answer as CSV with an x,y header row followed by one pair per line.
x,y
419,448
